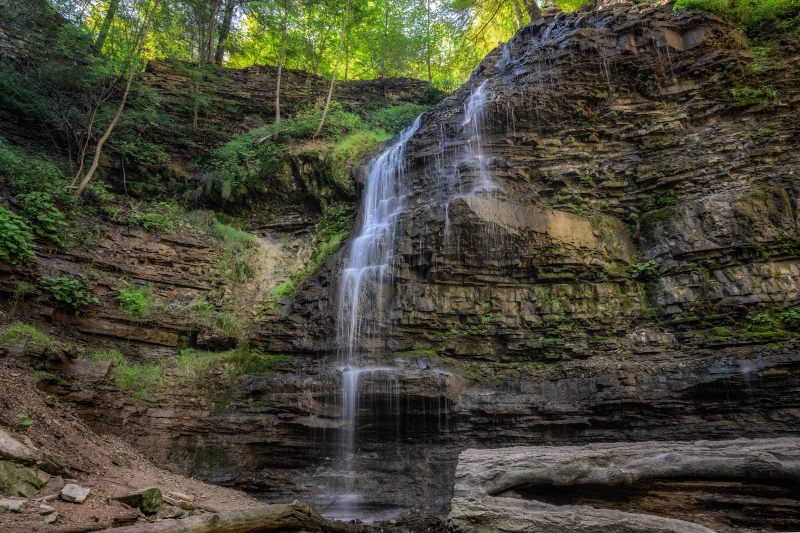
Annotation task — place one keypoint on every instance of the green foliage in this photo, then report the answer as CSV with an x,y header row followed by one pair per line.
x,y
351,149
139,380
331,231
25,173
251,361
254,163
226,324
24,422
74,291
641,269
45,218
284,290
238,246
108,354
760,18
242,360
135,302
790,317
16,240
29,333
161,217
763,96
394,119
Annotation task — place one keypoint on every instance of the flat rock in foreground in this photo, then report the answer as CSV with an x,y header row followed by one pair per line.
x,y
599,486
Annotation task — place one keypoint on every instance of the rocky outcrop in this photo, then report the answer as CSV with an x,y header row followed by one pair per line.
x,y
644,205
225,102
523,489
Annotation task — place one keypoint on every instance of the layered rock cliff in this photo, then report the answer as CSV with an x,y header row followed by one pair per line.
x,y
631,275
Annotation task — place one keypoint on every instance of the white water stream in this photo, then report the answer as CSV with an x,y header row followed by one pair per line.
x,y
365,282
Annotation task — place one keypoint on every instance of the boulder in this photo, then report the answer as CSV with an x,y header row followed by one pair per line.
x,y
11,504
573,488
74,493
148,499
13,450
17,480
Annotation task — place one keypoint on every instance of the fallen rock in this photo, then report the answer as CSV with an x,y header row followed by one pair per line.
x,y
45,509
11,504
173,512
51,518
148,500
185,505
17,480
53,466
513,487
54,486
74,493
13,450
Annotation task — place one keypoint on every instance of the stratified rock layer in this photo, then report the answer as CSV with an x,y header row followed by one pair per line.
x,y
645,204
501,489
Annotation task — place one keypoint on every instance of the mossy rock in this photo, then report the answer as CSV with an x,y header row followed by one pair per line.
x,y
16,480
148,500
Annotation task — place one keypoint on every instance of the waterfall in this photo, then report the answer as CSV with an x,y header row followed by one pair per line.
x,y
369,263
365,282
361,290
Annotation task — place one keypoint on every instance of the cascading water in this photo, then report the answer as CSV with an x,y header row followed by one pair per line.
x,y
365,282
361,288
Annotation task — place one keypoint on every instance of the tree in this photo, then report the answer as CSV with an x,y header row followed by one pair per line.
x,y
225,30
133,68
280,69
113,5
335,66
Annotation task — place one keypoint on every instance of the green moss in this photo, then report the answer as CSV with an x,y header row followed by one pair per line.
x,y
416,353
29,333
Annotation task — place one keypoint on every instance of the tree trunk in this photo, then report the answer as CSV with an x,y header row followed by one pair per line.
x,y
385,38
346,57
517,13
277,517
133,68
212,28
101,37
428,30
335,66
224,31
280,70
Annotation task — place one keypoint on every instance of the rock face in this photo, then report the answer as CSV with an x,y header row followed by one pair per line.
x,y
643,205
516,489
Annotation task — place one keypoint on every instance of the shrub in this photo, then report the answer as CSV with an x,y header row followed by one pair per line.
x,y
43,216
25,173
161,217
74,291
396,118
135,302
790,317
759,17
640,269
16,240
